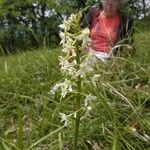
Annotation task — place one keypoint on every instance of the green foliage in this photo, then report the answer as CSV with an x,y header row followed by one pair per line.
x,y
28,20
33,23
36,21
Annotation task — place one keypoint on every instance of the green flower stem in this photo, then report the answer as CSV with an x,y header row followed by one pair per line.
x,y
78,103
78,115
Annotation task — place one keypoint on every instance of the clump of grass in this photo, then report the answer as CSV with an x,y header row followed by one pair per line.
x,y
25,81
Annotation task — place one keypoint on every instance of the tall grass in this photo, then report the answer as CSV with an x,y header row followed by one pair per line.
x,y
119,120
25,82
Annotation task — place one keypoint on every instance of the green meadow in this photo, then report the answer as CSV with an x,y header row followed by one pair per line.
x,y
119,119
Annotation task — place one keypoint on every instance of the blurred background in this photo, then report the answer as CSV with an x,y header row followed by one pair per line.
x,y
31,24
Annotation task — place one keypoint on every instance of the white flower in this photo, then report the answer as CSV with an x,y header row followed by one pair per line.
x,y
65,25
72,17
86,38
65,50
89,108
84,69
84,34
55,88
88,100
73,52
69,42
66,88
87,65
64,118
66,39
70,21
88,104
67,67
63,37
75,115
75,18
69,49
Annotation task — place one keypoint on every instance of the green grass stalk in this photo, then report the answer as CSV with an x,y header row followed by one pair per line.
x,y
20,128
78,104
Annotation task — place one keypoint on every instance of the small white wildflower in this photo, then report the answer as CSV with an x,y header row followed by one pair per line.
x,y
84,69
87,113
63,37
72,17
88,100
55,88
67,67
75,115
87,65
66,88
84,34
69,49
89,108
64,118
86,38
75,18
73,52
63,63
65,49
65,25
66,39
69,42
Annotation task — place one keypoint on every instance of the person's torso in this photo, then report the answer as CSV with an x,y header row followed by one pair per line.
x,y
104,33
